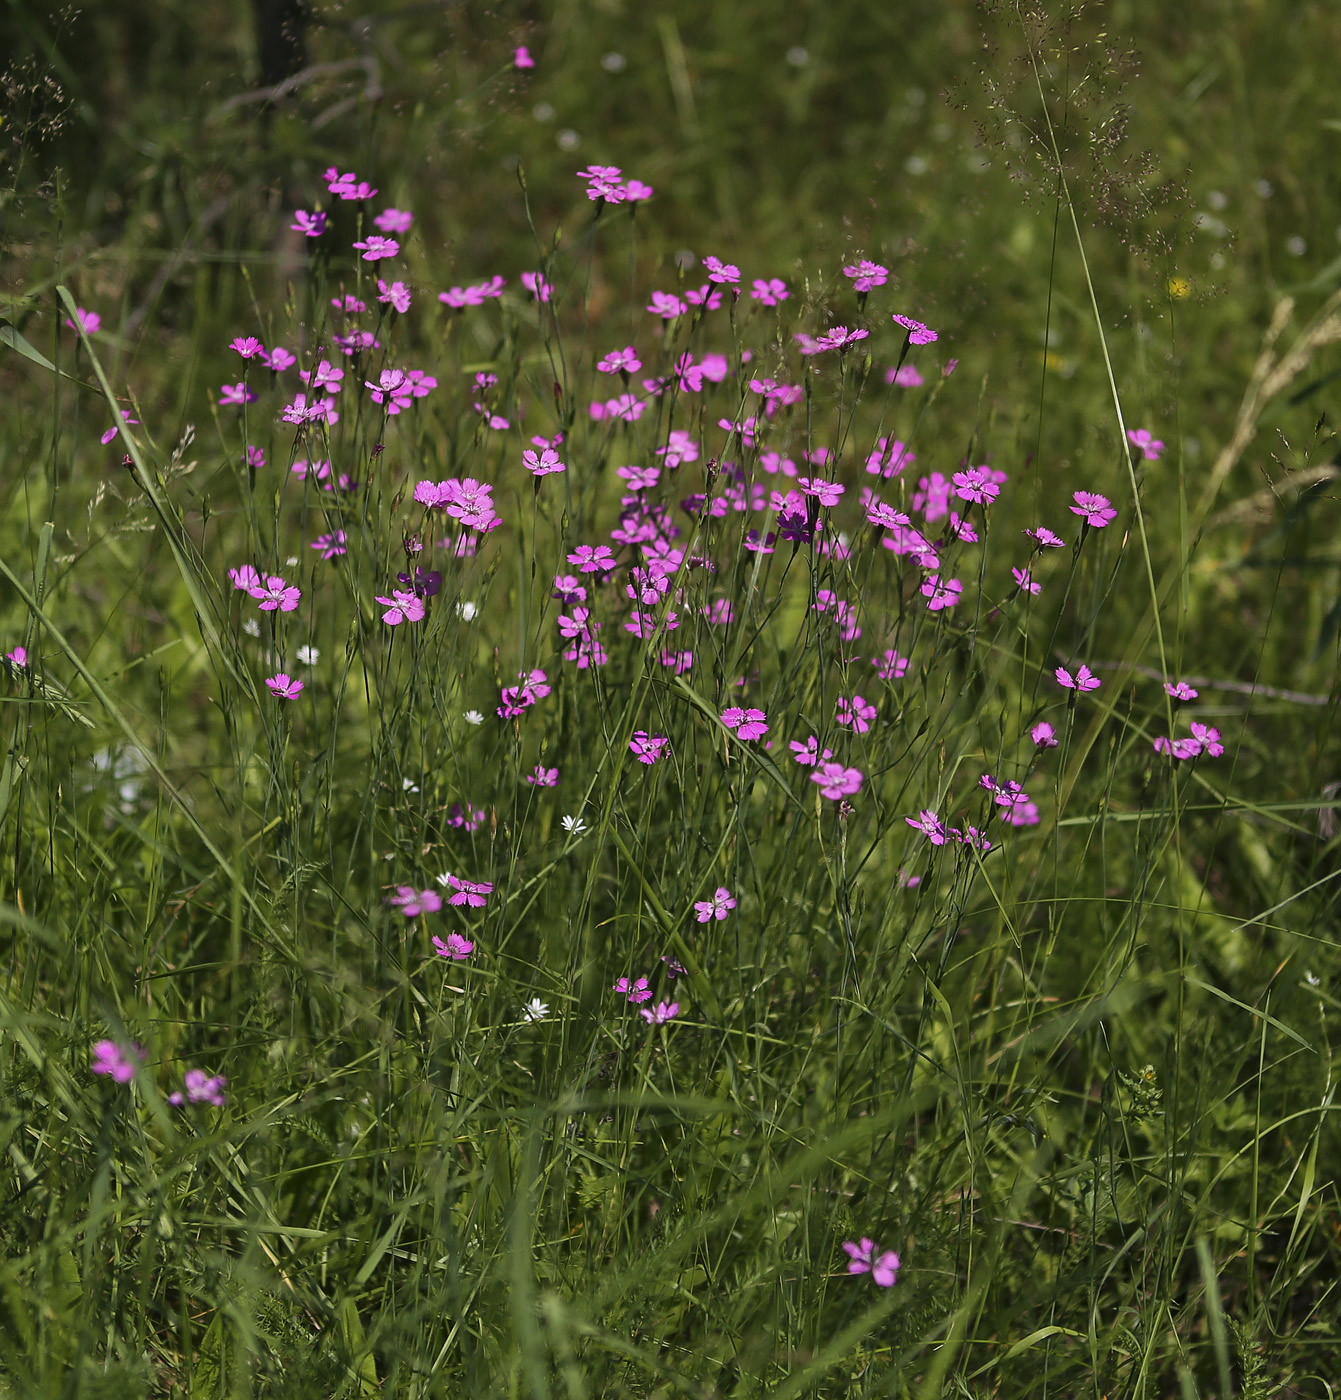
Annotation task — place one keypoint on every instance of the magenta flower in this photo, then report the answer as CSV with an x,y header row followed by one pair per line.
x,y
538,285
199,1087
718,271
543,777
412,902
246,346
453,947
976,485
718,907
807,753
593,560
941,595
863,1259
402,606
1093,509
890,666
647,748
837,338
543,462
469,892
394,294
1083,680
827,493
330,546
1180,691
521,57
279,359
234,395
772,292
667,306
855,714
18,657
118,1061
90,322
393,221
906,377
661,1013
835,781
748,724
1025,581
930,825
313,225
1043,735
918,334
283,686
374,248
623,361
1151,447
1208,738
635,992
112,432
274,594
866,275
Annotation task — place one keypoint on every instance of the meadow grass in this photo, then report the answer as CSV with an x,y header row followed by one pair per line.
x,y
984,1046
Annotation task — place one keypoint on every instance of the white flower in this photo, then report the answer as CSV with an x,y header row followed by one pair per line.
x,y
309,656
535,1010
444,879
468,612
252,627
409,785
292,561
473,717
574,826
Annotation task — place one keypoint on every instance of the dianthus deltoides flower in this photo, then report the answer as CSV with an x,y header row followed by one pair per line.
x,y
863,1259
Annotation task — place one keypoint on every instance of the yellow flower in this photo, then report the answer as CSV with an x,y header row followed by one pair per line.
x,y
1179,288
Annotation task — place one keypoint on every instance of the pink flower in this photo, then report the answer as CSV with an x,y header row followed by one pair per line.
x,y
837,338
312,225
667,306
863,1259
118,1061
866,275
18,657
274,594
453,947
112,432
807,752
469,892
200,1087
918,334
543,462
718,907
375,247
647,748
623,361
855,714
330,546
283,686
394,294
1024,581
539,286
1043,538
941,595
402,606
718,271
246,346
543,777
1083,680
90,323
635,992
593,559
976,485
1093,509
663,1011
890,666
412,902
521,57
930,825
234,395
906,377
1151,447
1043,735
835,781
393,221
772,292
1180,691
1208,738
748,724
828,493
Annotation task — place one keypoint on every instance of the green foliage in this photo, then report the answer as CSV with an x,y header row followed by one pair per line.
x,y
1083,1083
